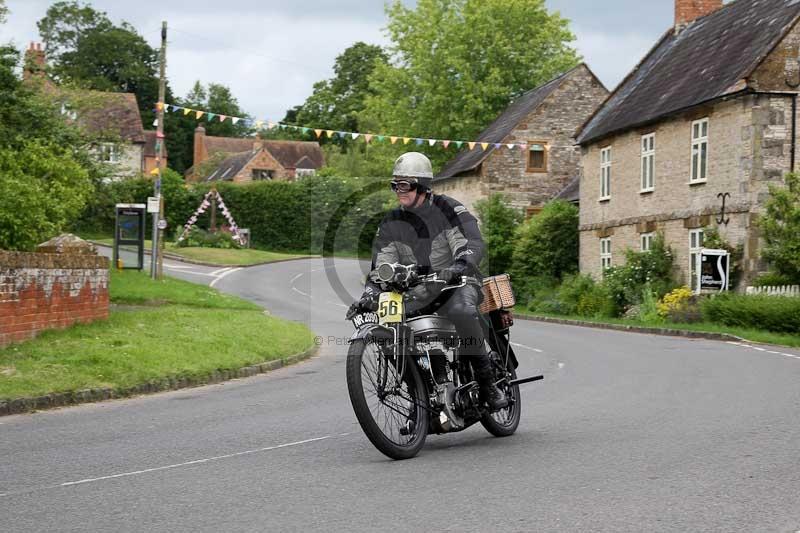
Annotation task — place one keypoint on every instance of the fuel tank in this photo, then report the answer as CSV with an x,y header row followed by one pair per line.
x,y
433,328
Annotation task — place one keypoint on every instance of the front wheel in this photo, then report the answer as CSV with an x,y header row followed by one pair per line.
x,y
389,406
504,422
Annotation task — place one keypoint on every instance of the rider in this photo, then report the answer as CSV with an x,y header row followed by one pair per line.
x,y
438,234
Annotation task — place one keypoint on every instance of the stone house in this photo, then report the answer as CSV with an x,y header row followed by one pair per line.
x,y
709,115
111,120
242,160
546,119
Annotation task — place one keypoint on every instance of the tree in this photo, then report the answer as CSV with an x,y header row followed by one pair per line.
x,y
498,224
65,23
456,64
3,11
547,243
781,227
336,103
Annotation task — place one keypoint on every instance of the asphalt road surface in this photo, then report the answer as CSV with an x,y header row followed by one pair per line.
x,y
628,432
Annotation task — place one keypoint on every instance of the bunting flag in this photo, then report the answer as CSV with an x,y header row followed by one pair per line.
x,y
321,132
211,196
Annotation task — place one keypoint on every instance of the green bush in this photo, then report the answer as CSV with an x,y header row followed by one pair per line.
x,y
653,268
206,239
547,243
781,227
773,313
772,279
577,295
498,224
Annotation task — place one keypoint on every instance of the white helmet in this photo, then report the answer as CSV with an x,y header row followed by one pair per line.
x,y
414,165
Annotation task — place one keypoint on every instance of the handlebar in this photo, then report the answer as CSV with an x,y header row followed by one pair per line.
x,y
405,276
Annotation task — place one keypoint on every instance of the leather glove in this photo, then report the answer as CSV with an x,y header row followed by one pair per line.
x,y
452,274
367,303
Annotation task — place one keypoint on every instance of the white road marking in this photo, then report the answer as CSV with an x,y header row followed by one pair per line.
x,y
297,276
537,350
223,275
338,303
759,349
220,271
295,289
198,461
560,365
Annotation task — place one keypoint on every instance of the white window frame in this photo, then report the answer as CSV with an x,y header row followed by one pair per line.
x,y
696,238
648,171
605,174
698,158
646,240
108,153
605,254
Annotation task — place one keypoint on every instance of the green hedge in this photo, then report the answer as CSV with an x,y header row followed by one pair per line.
x,y
773,313
337,214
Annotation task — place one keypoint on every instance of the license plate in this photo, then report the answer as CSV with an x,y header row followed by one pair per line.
x,y
390,308
365,318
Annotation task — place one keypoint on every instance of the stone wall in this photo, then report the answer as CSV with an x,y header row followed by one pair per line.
x,y
553,123
41,291
749,147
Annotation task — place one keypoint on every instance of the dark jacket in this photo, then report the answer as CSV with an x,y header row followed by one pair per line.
x,y
436,235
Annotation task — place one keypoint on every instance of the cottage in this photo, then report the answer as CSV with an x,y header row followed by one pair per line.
x,y
250,159
110,120
708,116
546,118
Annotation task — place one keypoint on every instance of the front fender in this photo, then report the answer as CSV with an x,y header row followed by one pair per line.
x,y
372,332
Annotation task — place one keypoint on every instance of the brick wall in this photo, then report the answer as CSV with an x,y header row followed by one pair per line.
x,y
45,291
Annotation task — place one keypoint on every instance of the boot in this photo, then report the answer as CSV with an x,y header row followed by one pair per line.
x,y
490,393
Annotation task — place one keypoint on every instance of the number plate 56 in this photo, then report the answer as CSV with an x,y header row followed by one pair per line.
x,y
390,308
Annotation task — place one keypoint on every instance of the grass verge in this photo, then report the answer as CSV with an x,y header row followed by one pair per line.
x,y
177,329
218,256
753,335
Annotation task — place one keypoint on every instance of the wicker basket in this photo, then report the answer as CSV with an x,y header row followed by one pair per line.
x,y
497,293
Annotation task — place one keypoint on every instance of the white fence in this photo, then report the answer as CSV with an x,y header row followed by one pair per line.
x,y
784,290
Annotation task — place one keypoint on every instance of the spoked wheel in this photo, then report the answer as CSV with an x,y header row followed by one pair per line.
x,y
504,422
387,404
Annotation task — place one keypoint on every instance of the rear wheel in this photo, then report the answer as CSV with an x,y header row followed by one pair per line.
x,y
388,405
504,422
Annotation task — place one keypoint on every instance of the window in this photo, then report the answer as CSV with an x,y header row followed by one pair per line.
x,y
262,174
699,151
695,246
605,253
647,241
648,162
605,173
109,153
537,157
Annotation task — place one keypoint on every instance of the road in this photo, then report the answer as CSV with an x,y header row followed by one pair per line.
x,y
628,432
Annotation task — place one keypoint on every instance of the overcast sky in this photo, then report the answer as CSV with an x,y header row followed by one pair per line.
x,y
270,52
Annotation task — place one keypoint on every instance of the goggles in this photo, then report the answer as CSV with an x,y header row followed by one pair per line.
x,y
403,185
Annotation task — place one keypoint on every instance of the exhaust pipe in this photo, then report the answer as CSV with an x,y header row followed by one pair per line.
x,y
520,381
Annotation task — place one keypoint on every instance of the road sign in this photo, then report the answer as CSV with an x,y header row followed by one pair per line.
x,y
162,224
152,204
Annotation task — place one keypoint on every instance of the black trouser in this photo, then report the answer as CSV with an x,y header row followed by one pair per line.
x,y
461,307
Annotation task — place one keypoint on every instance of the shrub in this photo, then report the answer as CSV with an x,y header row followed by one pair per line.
x,y
679,305
781,227
547,243
653,269
498,224
774,313
772,279
206,239
648,308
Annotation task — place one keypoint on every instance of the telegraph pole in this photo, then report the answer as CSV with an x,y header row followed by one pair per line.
x,y
156,256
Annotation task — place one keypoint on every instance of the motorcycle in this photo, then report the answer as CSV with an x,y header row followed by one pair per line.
x,y
407,378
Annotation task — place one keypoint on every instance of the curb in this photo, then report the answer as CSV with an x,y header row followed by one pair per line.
x,y
636,329
167,383
174,257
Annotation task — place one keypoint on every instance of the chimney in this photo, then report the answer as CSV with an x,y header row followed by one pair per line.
x,y
200,153
688,10
34,61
